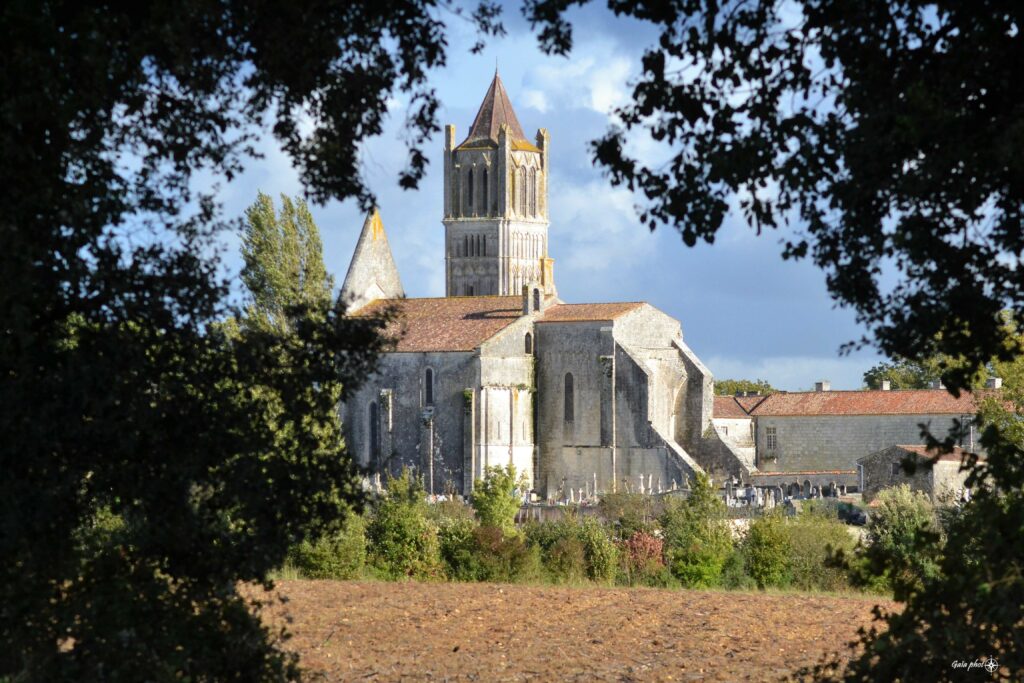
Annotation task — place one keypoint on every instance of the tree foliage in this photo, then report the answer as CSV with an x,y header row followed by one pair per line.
x,y
495,497
284,263
698,540
122,395
731,387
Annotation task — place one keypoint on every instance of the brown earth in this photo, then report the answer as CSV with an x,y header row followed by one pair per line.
x,y
375,631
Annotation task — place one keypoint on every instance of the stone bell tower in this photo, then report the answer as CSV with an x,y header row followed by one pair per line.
x,y
496,204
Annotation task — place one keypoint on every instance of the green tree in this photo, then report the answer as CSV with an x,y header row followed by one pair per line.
x,y
284,263
901,374
495,498
903,542
767,550
731,387
403,539
698,539
121,394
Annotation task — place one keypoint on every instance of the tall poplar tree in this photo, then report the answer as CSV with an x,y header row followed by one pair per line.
x,y
284,263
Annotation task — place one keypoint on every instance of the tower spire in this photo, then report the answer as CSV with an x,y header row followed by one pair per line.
x,y
372,274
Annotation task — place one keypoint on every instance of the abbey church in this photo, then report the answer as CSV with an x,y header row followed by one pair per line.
x,y
581,396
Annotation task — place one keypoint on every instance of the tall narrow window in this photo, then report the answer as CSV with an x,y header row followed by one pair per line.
x,y
569,399
483,245
428,382
529,343
536,299
465,245
456,195
374,434
771,438
471,209
485,193
533,192
522,191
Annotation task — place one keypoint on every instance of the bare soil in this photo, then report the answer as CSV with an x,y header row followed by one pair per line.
x,y
375,631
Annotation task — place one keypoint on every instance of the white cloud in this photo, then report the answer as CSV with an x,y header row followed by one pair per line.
x,y
595,227
535,99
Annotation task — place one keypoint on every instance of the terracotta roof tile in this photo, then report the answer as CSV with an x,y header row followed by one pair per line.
x,y
736,406
871,402
568,313
447,323
729,407
923,452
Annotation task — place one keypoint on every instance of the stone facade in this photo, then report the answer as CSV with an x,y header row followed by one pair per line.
x,y
576,396
942,481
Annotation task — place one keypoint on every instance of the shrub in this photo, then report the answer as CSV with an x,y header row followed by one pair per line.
x,y
495,499
505,558
340,555
903,544
814,535
642,559
599,550
698,539
628,513
566,560
767,550
458,549
734,573
403,540
562,544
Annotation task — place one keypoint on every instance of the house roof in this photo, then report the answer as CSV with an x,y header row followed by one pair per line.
x,y
496,111
459,323
736,407
921,451
870,402
568,313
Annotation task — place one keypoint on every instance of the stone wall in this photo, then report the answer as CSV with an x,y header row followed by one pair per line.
x,y
883,469
836,442
403,435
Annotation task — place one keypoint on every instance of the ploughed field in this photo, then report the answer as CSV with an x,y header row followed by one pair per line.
x,y
376,631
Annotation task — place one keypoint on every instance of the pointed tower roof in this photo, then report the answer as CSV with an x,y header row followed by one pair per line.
x,y
495,111
372,274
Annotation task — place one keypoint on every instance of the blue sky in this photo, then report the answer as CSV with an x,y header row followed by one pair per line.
x,y
744,310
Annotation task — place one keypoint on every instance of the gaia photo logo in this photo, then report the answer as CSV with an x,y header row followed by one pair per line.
x,y
989,664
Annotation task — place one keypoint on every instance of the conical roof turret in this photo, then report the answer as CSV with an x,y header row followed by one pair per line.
x,y
372,274
495,111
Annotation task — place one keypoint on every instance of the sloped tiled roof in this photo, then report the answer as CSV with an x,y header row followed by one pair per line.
x,y
871,402
569,313
495,110
923,452
448,323
735,407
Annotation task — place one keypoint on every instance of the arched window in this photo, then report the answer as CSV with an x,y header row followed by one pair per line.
x,y
469,290
469,193
536,299
485,193
465,245
522,191
374,434
428,381
569,399
529,343
483,245
513,195
533,192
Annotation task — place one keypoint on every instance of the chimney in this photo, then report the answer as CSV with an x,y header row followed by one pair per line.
x,y
994,383
886,385
823,385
